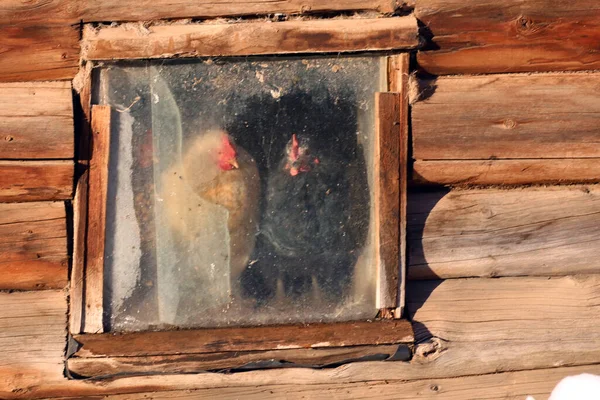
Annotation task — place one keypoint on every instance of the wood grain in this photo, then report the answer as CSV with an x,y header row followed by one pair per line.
x,y
398,76
538,231
33,246
96,219
387,196
492,326
507,116
485,36
238,39
35,180
245,339
36,120
112,10
193,363
77,282
507,386
507,172
38,52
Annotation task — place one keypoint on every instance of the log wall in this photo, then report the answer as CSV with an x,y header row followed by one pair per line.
x,y
477,337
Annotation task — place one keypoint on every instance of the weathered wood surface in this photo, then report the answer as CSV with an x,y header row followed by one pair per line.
x,y
508,116
33,246
515,385
36,120
238,39
387,196
32,342
194,363
77,281
72,11
245,339
398,81
488,326
113,10
35,180
483,36
541,231
506,172
38,52
96,219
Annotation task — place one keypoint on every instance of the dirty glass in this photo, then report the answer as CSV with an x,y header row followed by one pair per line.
x,y
240,191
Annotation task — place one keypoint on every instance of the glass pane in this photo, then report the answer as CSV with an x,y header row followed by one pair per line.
x,y
240,191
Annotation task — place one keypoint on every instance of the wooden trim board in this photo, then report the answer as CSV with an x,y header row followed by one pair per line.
x,y
398,81
387,197
96,219
262,338
252,38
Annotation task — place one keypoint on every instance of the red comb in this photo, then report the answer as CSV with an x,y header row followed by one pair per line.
x,y
295,147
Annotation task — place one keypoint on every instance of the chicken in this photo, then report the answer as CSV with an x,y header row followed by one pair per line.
x,y
307,232
215,170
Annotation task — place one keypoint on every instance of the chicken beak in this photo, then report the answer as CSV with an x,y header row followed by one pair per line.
x,y
234,163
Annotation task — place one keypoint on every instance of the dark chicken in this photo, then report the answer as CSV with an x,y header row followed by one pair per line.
x,y
307,229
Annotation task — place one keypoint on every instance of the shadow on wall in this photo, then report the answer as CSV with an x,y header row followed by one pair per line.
x,y
420,204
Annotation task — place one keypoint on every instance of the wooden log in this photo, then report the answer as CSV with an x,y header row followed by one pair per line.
x,y
515,386
245,339
193,40
539,231
507,116
491,326
32,342
33,246
506,172
387,197
38,52
96,219
112,10
398,75
485,36
35,180
36,120
193,363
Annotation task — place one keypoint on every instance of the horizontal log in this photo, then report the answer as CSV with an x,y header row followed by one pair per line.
x,y
507,172
507,116
532,306
36,180
32,342
36,120
194,363
244,339
541,231
33,246
562,310
515,385
113,10
130,41
485,36
38,52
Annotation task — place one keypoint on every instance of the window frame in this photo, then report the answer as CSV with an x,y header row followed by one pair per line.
x,y
95,353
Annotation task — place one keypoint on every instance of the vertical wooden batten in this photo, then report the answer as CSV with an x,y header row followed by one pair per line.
x,y
398,74
98,182
387,196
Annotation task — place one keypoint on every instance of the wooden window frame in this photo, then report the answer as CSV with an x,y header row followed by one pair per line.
x,y
93,353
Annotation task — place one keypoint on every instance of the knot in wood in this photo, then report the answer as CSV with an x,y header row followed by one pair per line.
x,y
434,388
527,26
509,123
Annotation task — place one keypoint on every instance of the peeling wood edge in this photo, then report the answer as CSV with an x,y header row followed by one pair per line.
x,y
331,357
96,219
77,272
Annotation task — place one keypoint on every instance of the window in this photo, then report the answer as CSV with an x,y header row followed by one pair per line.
x,y
254,202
